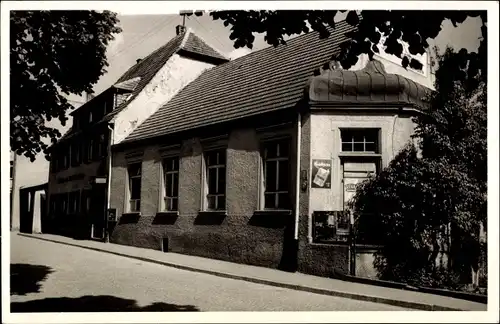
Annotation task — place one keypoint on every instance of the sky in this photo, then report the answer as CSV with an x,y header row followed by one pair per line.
x,y
142,34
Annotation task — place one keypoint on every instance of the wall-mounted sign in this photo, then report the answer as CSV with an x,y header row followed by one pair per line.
x,y
100,180
321,174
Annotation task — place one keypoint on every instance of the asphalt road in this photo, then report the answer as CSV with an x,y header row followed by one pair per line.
x,y
52,277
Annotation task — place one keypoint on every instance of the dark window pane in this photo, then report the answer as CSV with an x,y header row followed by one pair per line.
x,y
283,200
134,169
212,178
346,147
221,157
270,172
370,147
271,150
269,200
222,181
284,148
168,185
135,188
283,176
174,204
211,202
175,189
176,164
221,202
359,147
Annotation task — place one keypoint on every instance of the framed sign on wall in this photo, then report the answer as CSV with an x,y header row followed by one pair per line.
x,y
321,174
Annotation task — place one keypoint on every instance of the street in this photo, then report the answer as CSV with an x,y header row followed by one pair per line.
x,y
52,277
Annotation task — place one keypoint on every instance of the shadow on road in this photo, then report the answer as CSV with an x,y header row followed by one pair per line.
x,y
94,304
26,278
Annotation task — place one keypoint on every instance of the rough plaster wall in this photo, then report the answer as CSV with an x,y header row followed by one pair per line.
x,y
395,133
321,134
237,237
177,73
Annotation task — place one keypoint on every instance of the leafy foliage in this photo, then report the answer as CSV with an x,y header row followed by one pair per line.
x,y
411,26
433,195
52,53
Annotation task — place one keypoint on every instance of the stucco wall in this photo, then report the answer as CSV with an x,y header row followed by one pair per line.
x,y
239,237
325,144
321,140
172,77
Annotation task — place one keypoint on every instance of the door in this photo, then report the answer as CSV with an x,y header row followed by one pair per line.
x,y
97,211
354,174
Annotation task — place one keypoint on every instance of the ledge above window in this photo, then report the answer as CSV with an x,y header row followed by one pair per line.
x,y
359,155
272,212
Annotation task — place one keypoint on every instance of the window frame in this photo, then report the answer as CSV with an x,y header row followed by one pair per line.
x,y
129,189
206,179
264,143
374,139
164,174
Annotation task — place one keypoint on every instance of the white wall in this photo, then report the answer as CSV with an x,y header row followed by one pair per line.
x,y
325,144
177,73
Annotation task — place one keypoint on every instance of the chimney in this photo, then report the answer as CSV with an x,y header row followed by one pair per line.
x,y
179,29
138,61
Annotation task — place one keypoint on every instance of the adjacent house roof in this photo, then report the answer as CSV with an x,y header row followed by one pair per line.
x,y
140,74
370,85
263,81
147,68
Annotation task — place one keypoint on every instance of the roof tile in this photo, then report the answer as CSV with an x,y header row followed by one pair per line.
x,y
262,81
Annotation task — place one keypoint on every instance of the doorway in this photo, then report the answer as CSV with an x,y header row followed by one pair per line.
x,y
96,204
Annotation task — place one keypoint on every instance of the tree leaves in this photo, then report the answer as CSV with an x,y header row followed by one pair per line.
x,y
416,200
52,53
410,26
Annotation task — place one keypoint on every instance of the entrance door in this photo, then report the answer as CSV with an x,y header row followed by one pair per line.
x,y
354,174
97,211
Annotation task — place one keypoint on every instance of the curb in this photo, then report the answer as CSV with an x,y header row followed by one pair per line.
x,y
380,300
483,299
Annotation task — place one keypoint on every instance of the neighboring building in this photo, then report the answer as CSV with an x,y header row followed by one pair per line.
x,y
79,168
28,196
253,161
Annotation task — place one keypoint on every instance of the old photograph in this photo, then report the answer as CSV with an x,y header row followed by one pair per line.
x,y
241,159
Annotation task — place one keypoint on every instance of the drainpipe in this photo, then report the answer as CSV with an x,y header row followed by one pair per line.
x,y
108,191
297,178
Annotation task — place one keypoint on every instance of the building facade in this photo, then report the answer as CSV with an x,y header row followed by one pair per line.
x,y
78,185
254,160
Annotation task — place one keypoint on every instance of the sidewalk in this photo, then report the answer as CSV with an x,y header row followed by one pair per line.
x,y
297,281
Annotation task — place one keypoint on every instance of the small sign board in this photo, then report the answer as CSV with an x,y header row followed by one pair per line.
x,y
100,180
321,173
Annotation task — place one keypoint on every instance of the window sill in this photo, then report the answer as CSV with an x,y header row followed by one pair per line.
x,y
165,218
272,212
210,217
212,213
138,213
167,213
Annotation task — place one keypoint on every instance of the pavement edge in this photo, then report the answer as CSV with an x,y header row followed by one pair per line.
x,y
375,299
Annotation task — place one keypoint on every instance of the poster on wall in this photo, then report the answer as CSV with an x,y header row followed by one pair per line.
x,y
321,174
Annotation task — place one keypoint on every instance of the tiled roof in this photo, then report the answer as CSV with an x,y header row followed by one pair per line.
x,y
263,81
196,45
140,74
146,69
128,85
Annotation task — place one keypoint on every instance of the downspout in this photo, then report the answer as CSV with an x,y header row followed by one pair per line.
x,y
297,178
108,191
